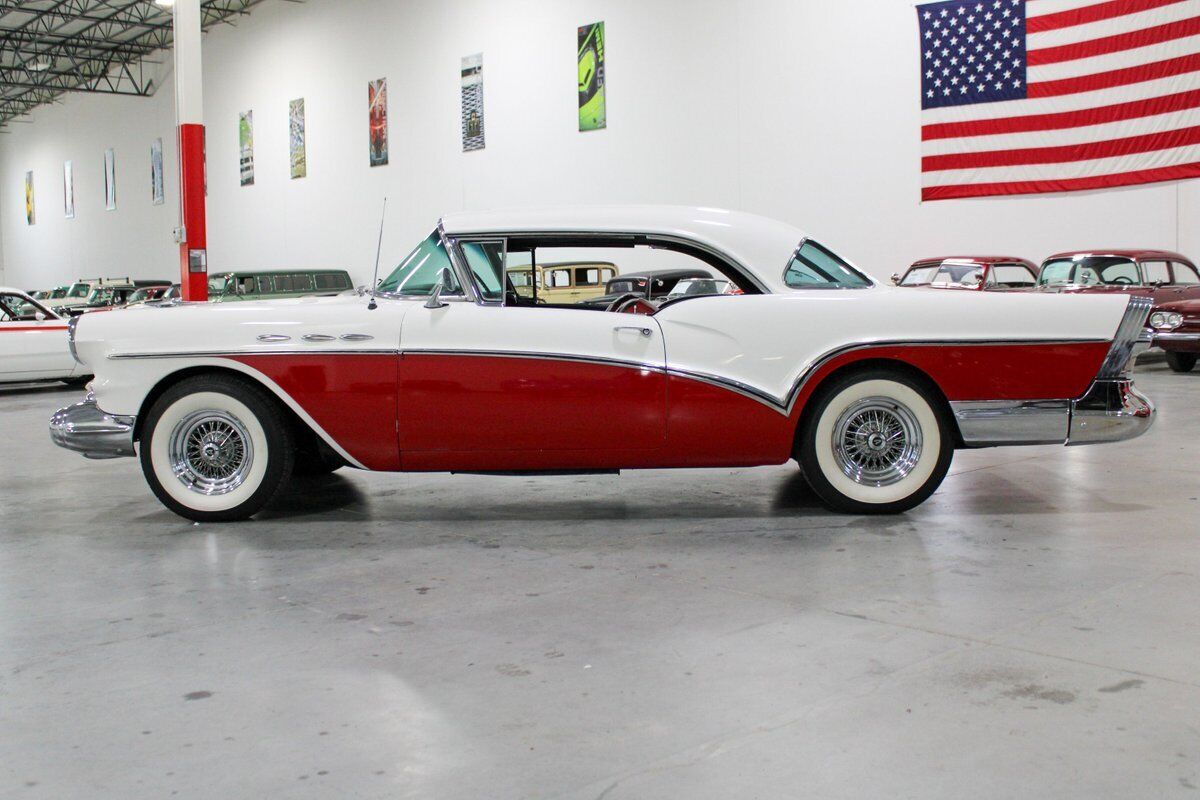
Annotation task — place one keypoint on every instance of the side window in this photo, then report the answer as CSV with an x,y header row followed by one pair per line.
x,y
283,283
1011,276
330,281
558,279
247,285
1185,273
302,282
8,308
1156,272
587,276
816,267
486,262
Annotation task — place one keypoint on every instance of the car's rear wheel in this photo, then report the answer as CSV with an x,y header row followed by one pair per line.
x,y
1180,362
216,448
875,442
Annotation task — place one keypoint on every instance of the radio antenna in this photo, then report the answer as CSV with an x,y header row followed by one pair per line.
x,y
371,306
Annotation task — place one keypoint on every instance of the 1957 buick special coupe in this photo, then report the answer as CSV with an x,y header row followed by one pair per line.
x,y
447,368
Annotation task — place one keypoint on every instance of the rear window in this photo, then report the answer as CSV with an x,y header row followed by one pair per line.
x,y
816,267
1185,273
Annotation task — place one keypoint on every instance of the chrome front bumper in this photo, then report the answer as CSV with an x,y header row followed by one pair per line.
x,y
1111,411
86,429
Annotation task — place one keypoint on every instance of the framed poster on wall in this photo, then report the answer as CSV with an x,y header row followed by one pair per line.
x,y
69,189
378,120
110,180
30,215
157,196
472,103
296,148
593,110
246,147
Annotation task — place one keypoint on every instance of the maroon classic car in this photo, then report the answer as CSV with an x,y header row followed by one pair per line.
x,y
1160,274
1176,327
977,273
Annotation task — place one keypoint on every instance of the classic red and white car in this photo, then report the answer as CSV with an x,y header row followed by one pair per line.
x,y
976,273
870,388
1159,274
33,342
1176,330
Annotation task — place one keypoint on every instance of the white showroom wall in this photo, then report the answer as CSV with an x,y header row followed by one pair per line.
x,y
796,109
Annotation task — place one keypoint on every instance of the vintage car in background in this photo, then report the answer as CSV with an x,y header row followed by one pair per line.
x,y
1159,274
148,294
33,343
98,293
48,296
446,368
562,282
1176,330
979,273
650,285
234,286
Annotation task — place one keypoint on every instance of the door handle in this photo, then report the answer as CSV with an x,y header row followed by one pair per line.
x,y
642,331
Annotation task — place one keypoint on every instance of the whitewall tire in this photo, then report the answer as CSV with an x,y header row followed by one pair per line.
x,y
216,448
875,442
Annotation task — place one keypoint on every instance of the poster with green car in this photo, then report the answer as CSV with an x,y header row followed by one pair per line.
x,y
592,110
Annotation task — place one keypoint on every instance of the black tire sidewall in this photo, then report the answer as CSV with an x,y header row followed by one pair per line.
x,y
280,448
806,453
1180,362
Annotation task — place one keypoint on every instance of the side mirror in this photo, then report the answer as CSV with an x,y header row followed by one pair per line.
x,y
895,278
443,283
39,316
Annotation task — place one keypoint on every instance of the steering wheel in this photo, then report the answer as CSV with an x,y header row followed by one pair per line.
x,y
637,305
615,305
1123,280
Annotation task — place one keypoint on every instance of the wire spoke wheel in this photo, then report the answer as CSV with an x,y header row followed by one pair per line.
x,y
877,441
211,452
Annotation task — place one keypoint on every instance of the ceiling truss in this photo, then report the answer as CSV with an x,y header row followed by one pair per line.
x,y
52,47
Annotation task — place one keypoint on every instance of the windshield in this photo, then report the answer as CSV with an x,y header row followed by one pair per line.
x,y
418,272
79,290
816,267
1090,271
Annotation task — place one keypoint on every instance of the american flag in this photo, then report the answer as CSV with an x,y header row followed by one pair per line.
x,y
1026,96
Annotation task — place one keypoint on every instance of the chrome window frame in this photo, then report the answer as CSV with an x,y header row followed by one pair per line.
x,y
870,281
455,243
647,239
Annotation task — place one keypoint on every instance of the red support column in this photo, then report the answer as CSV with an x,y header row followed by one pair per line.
x,y
193,253
189,112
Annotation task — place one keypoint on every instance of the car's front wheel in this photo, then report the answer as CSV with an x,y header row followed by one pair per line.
x,y
1180,362
875,442
216,448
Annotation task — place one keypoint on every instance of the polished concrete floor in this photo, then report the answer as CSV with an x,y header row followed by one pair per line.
x,y
1032,631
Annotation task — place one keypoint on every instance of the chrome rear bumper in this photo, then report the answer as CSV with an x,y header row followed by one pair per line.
x,y
1111,411
86,429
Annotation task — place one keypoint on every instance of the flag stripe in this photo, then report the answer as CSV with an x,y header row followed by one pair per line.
x,y
1066,170
1111,27
1110,61
1067,119
1117,77
1113,44
1159,123
1060,155
1172,173
1093,13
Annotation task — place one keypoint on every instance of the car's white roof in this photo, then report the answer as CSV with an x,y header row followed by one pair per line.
x,y
761,245
11,290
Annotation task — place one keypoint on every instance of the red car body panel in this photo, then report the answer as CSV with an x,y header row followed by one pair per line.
x,y
470,412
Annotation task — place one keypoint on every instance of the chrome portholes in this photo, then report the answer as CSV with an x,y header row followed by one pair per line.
x,y
211,452
877,441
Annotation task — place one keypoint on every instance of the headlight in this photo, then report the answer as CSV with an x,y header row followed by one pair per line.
x,y
1165,321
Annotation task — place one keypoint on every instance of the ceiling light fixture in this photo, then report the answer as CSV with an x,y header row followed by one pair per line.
x,y
39,66
164,3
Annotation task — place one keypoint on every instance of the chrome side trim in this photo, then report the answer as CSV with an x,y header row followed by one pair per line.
x,y
1131,334
318,337
226,354
601,360
744,389
72,324
86,429
1110,411
356,337
273,337
987,423
1178,338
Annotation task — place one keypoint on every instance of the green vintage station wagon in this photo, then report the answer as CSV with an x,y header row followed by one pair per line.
x,y
230,286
